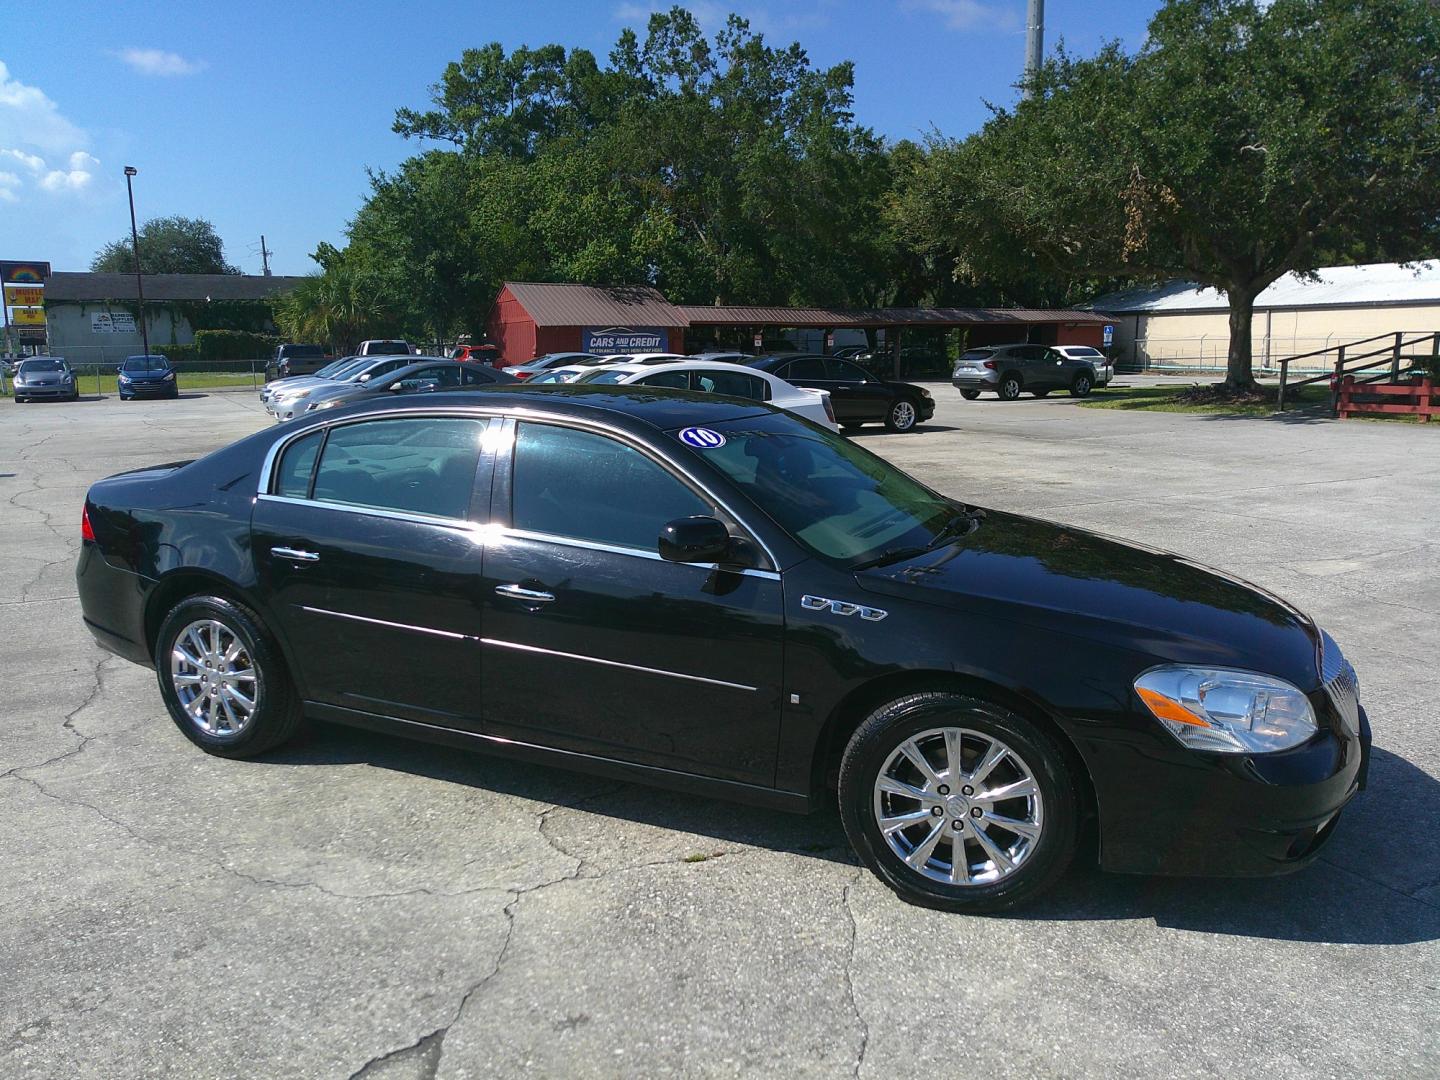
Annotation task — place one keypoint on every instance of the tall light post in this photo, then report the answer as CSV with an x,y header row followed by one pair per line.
x,y
1034,42
130,171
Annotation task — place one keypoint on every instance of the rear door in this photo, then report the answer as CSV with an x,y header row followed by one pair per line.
x,y
367,544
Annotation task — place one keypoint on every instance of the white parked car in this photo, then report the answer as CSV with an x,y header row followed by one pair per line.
x,y
558,375
722,378
288,399
1104,367
385,347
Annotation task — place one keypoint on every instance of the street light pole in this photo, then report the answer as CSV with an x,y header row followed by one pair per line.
x,y
130,171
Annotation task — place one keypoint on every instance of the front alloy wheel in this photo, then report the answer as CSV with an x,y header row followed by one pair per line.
x,y
902,416
1082,385
957,803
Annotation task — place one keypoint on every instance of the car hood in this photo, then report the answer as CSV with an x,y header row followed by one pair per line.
x,y
1119,593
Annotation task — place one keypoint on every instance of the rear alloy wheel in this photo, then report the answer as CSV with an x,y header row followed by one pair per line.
x,y
1082,385
957,803
1009,388
902,416
223,679
970,395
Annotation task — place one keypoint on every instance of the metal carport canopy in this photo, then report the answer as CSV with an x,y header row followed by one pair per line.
x,y
821,318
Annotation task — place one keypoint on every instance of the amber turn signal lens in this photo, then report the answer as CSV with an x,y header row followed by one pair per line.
x,y
1166,709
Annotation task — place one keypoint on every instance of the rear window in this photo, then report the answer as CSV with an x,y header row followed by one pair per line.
x,y
387,348
1082,350
978,354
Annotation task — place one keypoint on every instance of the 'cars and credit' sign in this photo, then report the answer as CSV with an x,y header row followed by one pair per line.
x,y
107,322
623,339
24,273
24,296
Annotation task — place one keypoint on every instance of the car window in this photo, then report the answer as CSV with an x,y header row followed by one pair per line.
x,y
673,380
978,354
1083,353
421,465
476,376
590,487
1034,352
807,367
297,465
732,383
844,372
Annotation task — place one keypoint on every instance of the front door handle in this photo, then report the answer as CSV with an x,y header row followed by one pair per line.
x,y
519,592
293,553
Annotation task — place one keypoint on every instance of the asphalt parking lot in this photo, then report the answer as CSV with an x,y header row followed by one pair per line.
x,y
357,904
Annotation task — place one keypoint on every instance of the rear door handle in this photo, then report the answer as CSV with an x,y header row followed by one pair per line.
x,y
519,592
293,553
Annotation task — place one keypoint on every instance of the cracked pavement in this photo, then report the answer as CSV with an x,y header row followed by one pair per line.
x,y
358,905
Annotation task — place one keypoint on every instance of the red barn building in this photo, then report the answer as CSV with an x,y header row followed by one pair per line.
x,y
530,319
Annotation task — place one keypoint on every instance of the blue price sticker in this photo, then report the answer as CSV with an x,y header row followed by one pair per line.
x,y
702,438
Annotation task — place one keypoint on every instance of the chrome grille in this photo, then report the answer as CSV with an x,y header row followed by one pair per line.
x,y
1341,683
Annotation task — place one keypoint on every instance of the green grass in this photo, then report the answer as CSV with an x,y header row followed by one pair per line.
x,y
189,380
1166,399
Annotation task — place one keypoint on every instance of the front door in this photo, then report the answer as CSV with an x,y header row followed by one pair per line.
x,y
366,546
594,644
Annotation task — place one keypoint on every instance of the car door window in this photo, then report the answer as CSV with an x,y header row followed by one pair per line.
x,y
590,487
674,380
420,465
297,466
476,377
840,371
809,368
732,383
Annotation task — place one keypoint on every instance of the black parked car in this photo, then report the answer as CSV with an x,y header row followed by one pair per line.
x,y
146,376
292,359
410,379
857,396
714,595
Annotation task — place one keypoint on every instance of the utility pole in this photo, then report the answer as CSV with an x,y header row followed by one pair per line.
x,y
130,171
264,255
1034,41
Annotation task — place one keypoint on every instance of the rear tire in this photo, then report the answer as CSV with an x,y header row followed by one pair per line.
x,y
1009,389
970,395
213,655
877,771
1082,385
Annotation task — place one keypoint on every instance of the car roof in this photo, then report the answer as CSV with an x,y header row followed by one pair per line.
x,y
649,406
680,365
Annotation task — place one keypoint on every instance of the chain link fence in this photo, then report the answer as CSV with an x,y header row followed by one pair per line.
x,y
1208,353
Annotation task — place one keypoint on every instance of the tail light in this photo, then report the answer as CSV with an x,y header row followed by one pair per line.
x,y
830,412
86,532
521,375
990,364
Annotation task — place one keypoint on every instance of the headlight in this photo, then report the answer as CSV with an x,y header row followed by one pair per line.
x,y
124,377
1231,712
924,392
168,375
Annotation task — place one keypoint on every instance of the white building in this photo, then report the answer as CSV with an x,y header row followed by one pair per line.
x,y
1184,325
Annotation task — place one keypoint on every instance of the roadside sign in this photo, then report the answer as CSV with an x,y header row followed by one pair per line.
x,y
24,273
24,296
624,339
27,316
112,322
759,340
1109,335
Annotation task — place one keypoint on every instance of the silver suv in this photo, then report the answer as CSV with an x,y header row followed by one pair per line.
x,y
1009,370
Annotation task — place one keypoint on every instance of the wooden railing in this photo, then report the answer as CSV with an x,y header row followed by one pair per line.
x,y
1397,352
1415,398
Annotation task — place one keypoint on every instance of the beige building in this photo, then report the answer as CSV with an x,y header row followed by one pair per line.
x,y
1182,325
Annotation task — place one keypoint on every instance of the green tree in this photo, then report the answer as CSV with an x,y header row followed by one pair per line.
x,y
341,307
1244,140
168,245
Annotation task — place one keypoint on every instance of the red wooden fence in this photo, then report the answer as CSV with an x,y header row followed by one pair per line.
x,y
1416,398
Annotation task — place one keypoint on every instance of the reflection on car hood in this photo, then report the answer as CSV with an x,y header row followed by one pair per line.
x,y
1080,583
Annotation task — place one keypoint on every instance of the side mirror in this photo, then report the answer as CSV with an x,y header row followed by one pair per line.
x,y
694,540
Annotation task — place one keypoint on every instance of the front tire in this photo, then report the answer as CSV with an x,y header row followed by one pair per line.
x,y
1082,385
902,417
223,679
1009,389
957,803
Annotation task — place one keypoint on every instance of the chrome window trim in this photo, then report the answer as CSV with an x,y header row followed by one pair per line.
x,y
386,622
459,524
515,414
615,549
498,643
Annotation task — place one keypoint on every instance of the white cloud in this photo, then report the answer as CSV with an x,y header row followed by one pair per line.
x,y
968,14
8,183
29,118
33,162
159,62
81,160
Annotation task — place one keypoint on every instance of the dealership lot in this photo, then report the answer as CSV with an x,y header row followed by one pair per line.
x,y
357,903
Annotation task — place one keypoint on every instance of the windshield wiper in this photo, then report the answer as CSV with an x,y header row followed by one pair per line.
x,y
959,525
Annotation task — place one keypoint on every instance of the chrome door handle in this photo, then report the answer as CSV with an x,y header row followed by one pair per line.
x,y
292,553
519,592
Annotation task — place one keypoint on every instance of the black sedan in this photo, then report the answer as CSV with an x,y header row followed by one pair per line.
x,y
717,596
420,378
857,396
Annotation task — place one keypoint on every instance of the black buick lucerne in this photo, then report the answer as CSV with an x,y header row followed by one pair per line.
x,y
717,596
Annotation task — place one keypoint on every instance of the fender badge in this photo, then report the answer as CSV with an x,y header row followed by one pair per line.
x,y
842,607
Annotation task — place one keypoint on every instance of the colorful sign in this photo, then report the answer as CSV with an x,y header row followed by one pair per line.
x,y
624,339
24,273
1109,335
24,296
112,322
27,316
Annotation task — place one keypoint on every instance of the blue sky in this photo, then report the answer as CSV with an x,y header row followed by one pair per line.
x,y
263,116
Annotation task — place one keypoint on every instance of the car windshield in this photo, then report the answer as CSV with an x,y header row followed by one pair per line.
x,y
335,366
840,501
557,376
303,350
353,367
604,375
146,363
30,367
